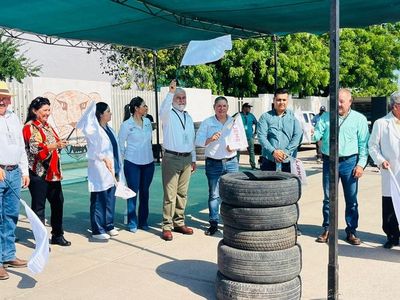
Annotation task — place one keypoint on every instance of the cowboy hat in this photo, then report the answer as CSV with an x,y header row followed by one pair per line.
x,y
4,89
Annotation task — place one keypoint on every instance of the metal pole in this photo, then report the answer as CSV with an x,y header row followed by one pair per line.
x,y
158,146
333,266
275,40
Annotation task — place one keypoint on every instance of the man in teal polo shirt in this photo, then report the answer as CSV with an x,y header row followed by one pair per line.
x,y
353,155
249,120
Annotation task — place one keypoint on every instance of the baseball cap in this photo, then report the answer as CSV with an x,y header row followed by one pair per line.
x,y
246,105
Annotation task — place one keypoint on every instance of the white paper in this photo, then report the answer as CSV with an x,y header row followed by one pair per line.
x,y
202,52
40,256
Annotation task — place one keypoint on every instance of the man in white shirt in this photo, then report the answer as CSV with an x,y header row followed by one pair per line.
x,y
13,167
384,148
179,160
213,134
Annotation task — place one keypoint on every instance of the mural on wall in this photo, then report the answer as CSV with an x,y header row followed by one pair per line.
x,y
66,109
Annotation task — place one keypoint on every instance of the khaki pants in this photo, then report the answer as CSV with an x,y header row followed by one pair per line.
x,y
176,171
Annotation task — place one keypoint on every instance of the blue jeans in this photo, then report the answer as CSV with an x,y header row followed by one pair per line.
x,y
9,210
138,179
268,165
102,210
350,189
214,170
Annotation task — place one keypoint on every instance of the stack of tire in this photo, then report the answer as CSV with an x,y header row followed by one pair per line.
x,y
200,155
259,257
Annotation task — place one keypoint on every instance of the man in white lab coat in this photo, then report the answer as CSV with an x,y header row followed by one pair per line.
x,y
384,148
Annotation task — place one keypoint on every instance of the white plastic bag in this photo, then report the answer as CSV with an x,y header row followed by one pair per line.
x,y
297,168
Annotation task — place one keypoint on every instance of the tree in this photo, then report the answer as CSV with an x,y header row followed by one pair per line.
x,y
368,60
13,64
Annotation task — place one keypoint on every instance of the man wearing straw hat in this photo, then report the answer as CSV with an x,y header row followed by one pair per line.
x,y
13,167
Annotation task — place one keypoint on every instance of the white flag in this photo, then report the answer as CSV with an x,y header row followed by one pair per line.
x,y
202,52
122,191
395,192
40,256
88,121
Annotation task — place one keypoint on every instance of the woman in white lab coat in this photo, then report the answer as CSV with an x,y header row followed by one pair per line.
x,y
104,165
384,148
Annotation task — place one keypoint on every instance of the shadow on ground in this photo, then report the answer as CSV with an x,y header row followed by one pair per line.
x,y
371,247
196,275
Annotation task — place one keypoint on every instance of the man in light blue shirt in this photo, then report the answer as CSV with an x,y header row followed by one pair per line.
x,y
279,133
353,155
213,134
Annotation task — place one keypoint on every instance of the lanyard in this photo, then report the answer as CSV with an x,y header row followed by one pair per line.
x,y
182,123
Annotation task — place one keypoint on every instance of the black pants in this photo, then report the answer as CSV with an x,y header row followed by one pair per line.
x,y
41,190
267,165
389,221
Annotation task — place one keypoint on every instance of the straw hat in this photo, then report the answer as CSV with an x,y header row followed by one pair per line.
x,y
4,89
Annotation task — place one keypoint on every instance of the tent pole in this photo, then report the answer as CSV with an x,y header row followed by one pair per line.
x,y
275,40
333,266
158,146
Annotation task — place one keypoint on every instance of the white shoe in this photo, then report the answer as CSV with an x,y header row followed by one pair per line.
x,y
113,232
101,236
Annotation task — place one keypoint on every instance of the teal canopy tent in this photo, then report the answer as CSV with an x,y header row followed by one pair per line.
x,y
162,24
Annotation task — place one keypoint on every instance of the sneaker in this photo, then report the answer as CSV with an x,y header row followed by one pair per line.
x,y
133,229
101,236
211,230
113,232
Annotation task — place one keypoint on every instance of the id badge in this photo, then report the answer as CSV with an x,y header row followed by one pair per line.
x,y
185,139
11,140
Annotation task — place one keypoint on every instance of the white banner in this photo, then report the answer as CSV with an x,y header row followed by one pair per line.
x,y
395,192
40,256
202,52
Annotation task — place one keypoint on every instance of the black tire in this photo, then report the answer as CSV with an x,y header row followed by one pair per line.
x,y
270,240
254,218
228,289
259,266
260,189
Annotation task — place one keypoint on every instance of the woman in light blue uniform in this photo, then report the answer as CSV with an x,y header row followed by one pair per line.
x,y
135,143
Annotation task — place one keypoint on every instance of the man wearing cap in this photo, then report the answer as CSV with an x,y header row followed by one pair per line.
x,y
353,155
13,168
179,160
279,133
384,148
248,121
314,122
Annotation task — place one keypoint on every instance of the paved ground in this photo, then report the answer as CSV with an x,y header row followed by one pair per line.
x,y
143,266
